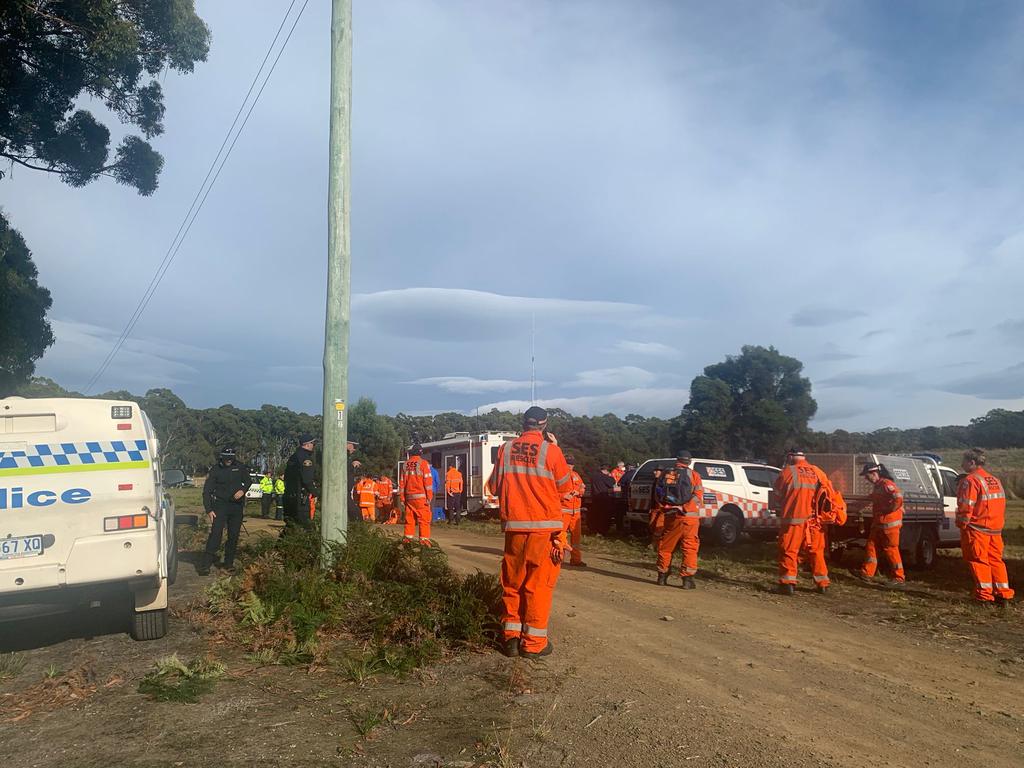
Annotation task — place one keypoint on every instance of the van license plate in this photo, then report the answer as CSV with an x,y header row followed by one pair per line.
x,y
21,546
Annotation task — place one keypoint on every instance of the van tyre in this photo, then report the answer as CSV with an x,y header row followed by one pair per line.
x,y
926,551
726,529
149,625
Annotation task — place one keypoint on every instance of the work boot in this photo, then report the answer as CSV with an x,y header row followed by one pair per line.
x,y
689,583
1001,602
662,579
821,590
579,564
785,589
203,566
895,584
510,647
856,573
545,651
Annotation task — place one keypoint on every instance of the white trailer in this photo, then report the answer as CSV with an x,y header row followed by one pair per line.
x,y
474,454
83,515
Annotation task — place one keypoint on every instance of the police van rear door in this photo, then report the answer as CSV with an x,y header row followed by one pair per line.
x,y
77,499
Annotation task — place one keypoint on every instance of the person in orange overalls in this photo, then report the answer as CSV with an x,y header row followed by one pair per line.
x,y
416,493
619,471
980,516
530,477
798,487
365,494
683,494
886,521
571,504
386,500
453,487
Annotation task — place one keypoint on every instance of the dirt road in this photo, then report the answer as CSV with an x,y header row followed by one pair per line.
x,y
737,677
741,677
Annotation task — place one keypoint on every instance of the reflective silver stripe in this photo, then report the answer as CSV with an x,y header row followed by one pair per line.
x,y
988,496
516,469
897,566
821,578
415,495
1002,585
968,502
513,626
982,529
894,524
567,511
787,579
871,560
410,536
564,480
985,585
534,632
517,525
793,520
542,456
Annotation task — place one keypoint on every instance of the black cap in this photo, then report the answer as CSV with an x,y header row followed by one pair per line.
x,y
416,449
684,456
870,467
570,459
227,452
535,416
306,437
795,451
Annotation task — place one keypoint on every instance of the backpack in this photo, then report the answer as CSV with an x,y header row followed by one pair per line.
x,y
678,487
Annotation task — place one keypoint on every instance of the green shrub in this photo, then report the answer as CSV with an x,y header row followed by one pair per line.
x,y
173,680
400,603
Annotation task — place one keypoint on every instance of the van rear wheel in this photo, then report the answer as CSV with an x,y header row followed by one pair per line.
x,y
149,625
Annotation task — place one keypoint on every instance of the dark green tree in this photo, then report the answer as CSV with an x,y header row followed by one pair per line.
x,y
24,332
380,447
747,407
56,53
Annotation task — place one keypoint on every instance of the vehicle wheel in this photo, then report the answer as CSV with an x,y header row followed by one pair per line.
x,y
926,551
727,529
149,625
172,564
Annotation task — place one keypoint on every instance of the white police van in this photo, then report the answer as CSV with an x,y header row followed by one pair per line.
x,y
83,514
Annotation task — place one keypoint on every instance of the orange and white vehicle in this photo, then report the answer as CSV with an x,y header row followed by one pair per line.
x,y
735,497
474,454
83,515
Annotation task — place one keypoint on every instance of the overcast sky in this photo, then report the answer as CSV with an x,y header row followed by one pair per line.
x,y
655,183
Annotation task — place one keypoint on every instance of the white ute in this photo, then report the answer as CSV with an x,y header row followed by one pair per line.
x,y
82,510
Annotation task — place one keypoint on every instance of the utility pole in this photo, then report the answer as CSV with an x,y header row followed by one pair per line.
x,y
334,504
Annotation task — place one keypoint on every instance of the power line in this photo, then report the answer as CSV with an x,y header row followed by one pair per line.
x,y
200,196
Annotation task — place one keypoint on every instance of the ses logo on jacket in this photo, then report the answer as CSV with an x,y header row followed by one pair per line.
x,y
16,498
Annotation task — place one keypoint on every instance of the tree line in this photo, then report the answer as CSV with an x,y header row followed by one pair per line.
x,y
743,409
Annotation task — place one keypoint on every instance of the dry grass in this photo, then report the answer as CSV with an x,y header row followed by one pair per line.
x,y
54,692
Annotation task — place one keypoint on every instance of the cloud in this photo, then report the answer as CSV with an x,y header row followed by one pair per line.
x,y
460,315
467,385
815,317
832,353
885,381
142,362
653,348
624,376
1007,384
961,334
875,334
645,402
1012,330
839,412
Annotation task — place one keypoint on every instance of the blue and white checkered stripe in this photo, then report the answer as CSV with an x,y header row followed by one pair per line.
x,y
75,454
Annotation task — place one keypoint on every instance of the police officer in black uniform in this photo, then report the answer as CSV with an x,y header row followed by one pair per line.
x,y
224,501
299,485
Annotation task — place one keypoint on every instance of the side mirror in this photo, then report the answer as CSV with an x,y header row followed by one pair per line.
x,y
173,477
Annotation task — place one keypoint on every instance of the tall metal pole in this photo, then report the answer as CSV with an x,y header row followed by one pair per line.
x,y
334,505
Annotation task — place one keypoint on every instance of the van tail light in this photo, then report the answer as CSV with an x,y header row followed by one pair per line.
x,y
125,486
124,426
125,523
